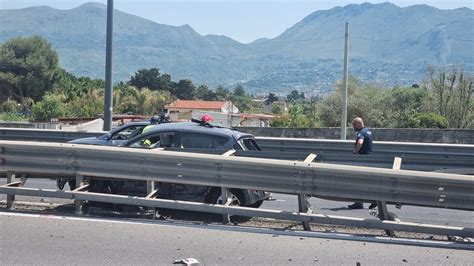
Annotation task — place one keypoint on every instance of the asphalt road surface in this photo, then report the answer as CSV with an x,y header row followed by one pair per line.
x,y
47,239
406,213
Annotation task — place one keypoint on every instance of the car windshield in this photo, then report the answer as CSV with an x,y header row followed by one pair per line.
x,y
128,132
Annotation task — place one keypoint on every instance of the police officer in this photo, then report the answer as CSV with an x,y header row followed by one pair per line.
x,y
363,146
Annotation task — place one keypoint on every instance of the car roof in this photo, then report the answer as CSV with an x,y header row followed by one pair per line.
x,y
198,128
136,123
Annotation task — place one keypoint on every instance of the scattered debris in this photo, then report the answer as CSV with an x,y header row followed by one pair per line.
x,y
315,259
187,261
428,237
461,239
358,264
23,179
404,260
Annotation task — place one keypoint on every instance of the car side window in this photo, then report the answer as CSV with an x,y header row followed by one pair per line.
x,y
219,142
201,141
250,144
127,133
158,140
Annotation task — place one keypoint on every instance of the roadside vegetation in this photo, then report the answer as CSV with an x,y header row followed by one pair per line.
x,y
34,87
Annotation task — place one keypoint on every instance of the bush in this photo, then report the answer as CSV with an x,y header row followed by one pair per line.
x,y
11,117
9,106
50,107
424,120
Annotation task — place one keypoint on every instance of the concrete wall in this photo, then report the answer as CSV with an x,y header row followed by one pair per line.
x,y
461,136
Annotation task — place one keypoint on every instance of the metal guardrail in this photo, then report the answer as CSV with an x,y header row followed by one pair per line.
x,y
44,135
416,156
342,146
300,178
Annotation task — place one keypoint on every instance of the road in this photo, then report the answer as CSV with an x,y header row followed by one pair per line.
x,y
406,213
289,203
47,239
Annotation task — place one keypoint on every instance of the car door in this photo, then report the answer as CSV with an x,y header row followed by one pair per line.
x,y
192,141
155,140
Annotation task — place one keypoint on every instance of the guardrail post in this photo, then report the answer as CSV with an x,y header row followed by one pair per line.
x,y
383,215
303,200
382,205
150,188
225,194
304,207
79,203
10,198
226,199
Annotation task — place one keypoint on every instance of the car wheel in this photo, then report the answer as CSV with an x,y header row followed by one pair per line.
x,y
237,199
215,197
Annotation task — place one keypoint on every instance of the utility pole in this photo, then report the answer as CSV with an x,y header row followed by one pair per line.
x,y
108,105
344,84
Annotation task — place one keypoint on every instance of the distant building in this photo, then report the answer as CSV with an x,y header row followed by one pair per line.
x,y
235,120
182,109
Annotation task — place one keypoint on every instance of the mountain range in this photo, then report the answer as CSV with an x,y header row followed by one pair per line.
x,y
388,44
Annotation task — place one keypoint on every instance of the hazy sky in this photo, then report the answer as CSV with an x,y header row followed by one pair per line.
x,y
242,20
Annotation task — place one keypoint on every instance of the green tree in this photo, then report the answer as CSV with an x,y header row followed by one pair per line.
x,y
28,67
91,104
295,118
76,87
241,99
184,90
204,93
143,102
222,93
239,91
295,96
271,98
329,109
151,79
400,103
454,95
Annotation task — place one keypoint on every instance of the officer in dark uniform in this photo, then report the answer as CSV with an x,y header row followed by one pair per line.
x,y
363,146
